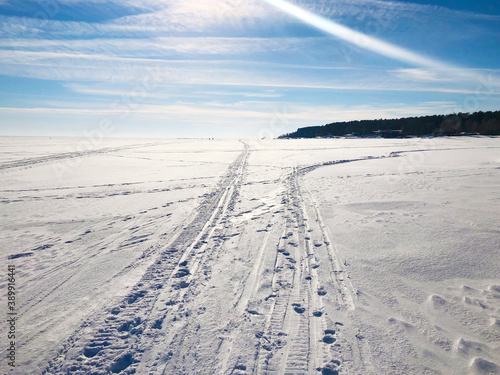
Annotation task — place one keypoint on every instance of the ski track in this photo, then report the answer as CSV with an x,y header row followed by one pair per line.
x,y
304,320
297,338
115,340
69,155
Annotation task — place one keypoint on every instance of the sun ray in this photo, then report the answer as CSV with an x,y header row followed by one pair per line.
x,y
357,38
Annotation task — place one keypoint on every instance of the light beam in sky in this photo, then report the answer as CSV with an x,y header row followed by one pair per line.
x,y
384,48
358,39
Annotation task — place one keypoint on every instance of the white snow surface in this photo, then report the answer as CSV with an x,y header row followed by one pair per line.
x,y
323,256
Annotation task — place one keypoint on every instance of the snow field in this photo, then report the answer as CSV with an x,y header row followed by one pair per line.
x,y
359,256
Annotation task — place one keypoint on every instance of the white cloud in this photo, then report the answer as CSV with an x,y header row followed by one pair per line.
x,y
174,17
82,89
117,92
356,38
158,57
163,46
325,114
245,94
195,15
378,46
139,73
254,115
421,75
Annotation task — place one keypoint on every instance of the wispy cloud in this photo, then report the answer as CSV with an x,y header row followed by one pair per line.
x,y
160,73
245,94
387,10
100,91
171,16
160,46
370,43
195,15
422,75
232,61
254,116
357,38
190,16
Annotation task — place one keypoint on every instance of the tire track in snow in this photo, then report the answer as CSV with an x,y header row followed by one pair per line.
x,y
127,337
37,306
354,350
69,155
274,341
318,323
301,348
115,340
342,282
298,339
204,247
291,342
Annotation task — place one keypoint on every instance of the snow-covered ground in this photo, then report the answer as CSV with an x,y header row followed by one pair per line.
x,y
339,256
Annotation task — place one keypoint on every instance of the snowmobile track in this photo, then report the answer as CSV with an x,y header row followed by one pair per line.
x,y
114,341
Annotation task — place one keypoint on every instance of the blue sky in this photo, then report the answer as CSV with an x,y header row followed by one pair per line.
x,y
240,68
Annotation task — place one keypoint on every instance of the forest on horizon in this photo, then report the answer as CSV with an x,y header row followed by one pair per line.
x,y
482,123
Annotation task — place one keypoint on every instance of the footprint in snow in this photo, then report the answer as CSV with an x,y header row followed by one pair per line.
x,y
483,366
466,347
331,368
298,308
436,302
329,338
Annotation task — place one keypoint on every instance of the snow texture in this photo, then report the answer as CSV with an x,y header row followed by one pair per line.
x,y
323,256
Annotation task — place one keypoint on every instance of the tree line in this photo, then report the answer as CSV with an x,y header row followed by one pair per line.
x,y
484,123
